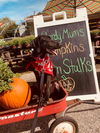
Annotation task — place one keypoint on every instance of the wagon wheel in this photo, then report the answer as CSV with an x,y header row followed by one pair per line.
x,y
64,125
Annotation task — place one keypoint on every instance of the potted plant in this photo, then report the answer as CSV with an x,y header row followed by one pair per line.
x,y
14,92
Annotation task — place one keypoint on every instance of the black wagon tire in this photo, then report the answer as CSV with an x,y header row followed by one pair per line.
x,y
64,125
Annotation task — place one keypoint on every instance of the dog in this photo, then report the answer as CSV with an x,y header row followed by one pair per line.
x,y
43,46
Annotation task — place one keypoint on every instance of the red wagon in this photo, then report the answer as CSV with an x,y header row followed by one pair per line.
x,y
58,106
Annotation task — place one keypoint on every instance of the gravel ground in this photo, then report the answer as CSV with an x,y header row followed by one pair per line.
x,y
86,115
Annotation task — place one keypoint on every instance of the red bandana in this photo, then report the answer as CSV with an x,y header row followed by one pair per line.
x,y
42,64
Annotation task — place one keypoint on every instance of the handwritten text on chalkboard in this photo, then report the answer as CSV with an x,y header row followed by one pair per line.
x,y
65,33
73,63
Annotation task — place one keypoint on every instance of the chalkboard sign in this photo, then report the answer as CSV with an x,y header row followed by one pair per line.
x,y
73,63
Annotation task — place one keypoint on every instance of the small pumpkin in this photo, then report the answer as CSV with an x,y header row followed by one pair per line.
x,y
16,97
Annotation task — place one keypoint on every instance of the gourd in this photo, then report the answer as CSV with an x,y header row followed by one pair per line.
x,y
14,92
16,97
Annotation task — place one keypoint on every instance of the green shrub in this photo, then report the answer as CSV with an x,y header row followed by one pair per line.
x,y
5,76
95,33
1,37
17,41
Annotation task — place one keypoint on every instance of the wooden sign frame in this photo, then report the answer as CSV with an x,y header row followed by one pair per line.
x,y
81,15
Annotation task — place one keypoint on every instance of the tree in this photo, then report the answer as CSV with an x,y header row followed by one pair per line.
x,y
7,27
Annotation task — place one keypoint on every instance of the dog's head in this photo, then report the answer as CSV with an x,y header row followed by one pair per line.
x,y
44,44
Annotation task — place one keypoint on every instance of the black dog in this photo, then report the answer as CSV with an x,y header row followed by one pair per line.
x,y
43,46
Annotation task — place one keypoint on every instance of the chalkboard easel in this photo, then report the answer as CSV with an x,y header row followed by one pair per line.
x,y
75,62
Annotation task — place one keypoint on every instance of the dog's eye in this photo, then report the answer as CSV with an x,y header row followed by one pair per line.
x,y
49,37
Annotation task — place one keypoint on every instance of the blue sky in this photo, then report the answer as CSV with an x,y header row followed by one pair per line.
x,y
19,9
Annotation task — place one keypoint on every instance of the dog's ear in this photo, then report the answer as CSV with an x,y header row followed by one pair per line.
x,y
37,41
32,44
37,44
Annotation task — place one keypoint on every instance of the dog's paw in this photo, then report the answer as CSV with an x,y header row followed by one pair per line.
x,y
35,98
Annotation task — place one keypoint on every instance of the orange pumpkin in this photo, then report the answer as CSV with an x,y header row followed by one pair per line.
x,y
18,96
